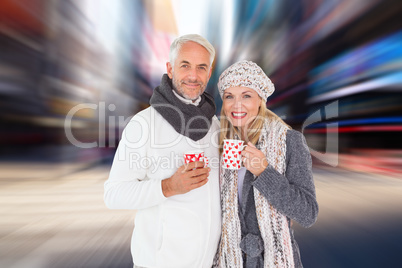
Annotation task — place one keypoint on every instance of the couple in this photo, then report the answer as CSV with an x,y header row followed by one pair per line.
x,y
194,216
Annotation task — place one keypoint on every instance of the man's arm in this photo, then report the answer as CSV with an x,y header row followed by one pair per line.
x,y
129,188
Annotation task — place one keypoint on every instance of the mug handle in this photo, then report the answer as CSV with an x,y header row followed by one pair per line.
x,y
206,162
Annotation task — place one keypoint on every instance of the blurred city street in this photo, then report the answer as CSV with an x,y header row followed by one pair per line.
x,y
54,216
74,72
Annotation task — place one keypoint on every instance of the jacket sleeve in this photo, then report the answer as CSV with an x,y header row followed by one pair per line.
x,y
128,186
293,194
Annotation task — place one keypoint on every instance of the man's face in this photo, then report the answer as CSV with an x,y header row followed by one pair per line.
x,y
191,71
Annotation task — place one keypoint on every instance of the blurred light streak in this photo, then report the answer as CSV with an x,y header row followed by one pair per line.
x,y
286,94
372,60
227,22
158,28
387,162
385,128
330,16
377,120
252,12
190,16
391,80
24,16
161,14
377,104
249,18
106,17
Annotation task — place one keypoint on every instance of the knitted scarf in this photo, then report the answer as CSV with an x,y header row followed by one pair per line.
x,y
272,224
188,120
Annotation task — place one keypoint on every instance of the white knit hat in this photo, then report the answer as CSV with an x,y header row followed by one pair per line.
x,y
246,74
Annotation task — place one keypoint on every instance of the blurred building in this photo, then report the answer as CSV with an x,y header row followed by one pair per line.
x,y
336,66
55,64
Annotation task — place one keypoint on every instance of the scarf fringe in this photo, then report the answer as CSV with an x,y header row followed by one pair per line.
x,y
273,225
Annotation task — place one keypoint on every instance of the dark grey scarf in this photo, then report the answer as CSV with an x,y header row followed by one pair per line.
x,y
187,119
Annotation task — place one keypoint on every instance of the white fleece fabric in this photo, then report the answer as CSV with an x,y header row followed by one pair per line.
x,y
179,231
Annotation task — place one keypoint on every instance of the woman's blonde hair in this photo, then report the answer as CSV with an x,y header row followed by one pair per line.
x,y
228,131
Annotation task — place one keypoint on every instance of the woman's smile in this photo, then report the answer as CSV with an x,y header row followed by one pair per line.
x,y
238,115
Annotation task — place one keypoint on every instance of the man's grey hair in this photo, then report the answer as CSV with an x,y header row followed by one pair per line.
x,y
178,42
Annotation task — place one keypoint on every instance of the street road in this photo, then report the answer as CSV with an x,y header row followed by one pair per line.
x,y
54,216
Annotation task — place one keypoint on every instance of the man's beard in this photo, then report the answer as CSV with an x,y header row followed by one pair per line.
x,y
177,86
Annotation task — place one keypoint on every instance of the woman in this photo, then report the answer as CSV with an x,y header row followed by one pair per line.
x,y
275,185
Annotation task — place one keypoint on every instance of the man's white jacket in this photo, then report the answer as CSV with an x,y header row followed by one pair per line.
x,y
179,231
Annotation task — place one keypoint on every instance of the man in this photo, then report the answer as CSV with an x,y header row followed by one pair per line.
x,y
177,223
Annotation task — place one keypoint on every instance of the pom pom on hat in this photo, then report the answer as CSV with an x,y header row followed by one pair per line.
x,y
246,74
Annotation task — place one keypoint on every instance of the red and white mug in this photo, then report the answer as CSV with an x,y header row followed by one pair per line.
x,y
231,156
194,157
